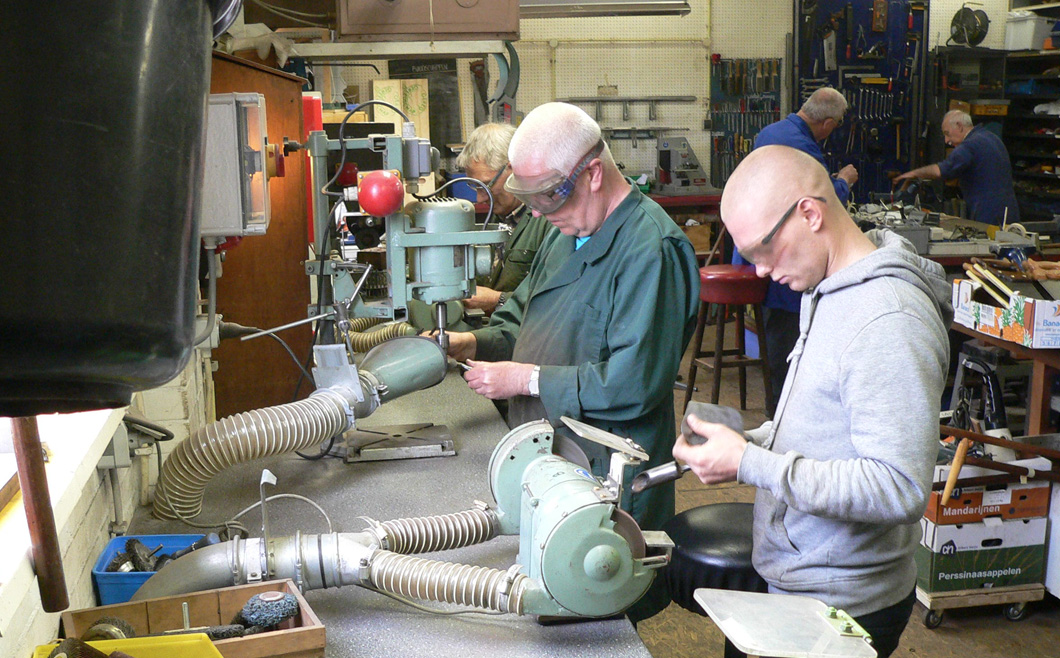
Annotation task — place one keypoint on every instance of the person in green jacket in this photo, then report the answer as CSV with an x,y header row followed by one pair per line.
x,y
597,329
485,158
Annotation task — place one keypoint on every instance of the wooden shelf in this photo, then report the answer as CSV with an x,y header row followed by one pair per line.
x,y
1034,136
1031,174
1030,115
1020,76
1037,156
1041,195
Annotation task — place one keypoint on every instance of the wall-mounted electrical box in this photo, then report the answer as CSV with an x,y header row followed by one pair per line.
x,y
235,200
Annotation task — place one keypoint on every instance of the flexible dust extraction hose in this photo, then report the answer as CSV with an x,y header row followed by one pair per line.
x,y
437,533
342,559
448,582
388,371
241,438
362,340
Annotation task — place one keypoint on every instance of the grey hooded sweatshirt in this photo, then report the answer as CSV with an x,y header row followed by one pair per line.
x,y
844,470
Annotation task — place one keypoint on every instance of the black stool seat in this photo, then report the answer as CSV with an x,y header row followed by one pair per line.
x,y
712,548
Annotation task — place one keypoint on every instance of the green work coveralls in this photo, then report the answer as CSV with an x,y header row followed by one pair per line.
x,y
519,252
608,325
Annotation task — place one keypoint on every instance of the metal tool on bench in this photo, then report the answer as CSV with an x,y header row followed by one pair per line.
x,y
711,413
580,554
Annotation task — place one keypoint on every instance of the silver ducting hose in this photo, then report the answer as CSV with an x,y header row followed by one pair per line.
x,y
337,560
446,582
437,533
362,340
241,438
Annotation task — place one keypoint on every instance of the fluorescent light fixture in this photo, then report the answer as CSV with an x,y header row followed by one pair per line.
x,y
579,8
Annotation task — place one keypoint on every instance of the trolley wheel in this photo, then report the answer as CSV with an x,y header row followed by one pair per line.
x,y
932,618
1015,611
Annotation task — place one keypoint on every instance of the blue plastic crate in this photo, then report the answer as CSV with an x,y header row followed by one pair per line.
x,y
119,587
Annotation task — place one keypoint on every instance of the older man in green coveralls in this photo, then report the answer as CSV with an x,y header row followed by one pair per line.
x,y
485,157
597,329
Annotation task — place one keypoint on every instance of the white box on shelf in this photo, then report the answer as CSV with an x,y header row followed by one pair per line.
x,y
1026,31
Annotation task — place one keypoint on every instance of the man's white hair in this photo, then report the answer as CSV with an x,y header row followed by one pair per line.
x,y
559,134
487,145
825,103
958,118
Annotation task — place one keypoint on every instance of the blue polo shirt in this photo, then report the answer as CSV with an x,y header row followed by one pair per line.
x,y
982,168
794,132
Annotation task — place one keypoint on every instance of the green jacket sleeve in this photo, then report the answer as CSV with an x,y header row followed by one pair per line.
x,y
649,325
496,341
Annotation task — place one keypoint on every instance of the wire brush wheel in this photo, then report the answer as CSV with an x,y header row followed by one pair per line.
x,y
269,609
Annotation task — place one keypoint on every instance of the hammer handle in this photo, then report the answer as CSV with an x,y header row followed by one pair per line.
x,y
955,469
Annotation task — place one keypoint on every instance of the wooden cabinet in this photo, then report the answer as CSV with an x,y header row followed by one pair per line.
x,y
263,282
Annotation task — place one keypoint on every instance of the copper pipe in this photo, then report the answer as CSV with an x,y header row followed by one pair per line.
x,y
997,441
1010,468
981,481
47,557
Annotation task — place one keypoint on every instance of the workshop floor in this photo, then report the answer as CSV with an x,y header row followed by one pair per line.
x,y
964,633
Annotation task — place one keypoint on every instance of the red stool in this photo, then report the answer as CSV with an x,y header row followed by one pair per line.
x,y
730,287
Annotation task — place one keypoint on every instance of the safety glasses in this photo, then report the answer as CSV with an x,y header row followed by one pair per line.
x,y
548,192
761,248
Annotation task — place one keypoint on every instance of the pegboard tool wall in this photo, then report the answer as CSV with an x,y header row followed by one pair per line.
x,y
875,52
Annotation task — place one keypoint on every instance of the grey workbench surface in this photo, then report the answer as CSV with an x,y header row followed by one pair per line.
x,y
363,623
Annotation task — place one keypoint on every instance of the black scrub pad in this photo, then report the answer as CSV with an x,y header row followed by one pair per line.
x,y
269,608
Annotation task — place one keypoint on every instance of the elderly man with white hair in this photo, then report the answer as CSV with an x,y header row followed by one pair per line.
x,y
485,158
980,163
597,330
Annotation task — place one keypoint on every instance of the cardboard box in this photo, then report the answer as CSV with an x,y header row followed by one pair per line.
x,y
299,637
989,107
1029,322
990,553
1005,501
411,96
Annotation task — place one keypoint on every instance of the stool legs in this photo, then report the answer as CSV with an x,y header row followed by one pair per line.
x,y
719,352
716,358
741,348
763,353
697,345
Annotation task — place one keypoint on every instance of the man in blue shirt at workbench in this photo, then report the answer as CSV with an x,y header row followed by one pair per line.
x,y
980,163
804,130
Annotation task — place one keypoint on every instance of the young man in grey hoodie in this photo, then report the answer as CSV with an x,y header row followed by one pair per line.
x,y
844,469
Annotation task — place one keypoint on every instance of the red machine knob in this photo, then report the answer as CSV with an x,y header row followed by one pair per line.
x,y
380,193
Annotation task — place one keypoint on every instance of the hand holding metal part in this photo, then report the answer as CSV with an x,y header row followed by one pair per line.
x,y
697,412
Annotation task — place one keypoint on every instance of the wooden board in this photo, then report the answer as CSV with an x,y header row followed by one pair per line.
x,y
300,637
967,598
263,282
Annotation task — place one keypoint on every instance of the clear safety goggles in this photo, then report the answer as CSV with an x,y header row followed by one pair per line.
x,y
547,193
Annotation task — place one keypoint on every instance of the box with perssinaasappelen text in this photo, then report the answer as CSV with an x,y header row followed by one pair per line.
x,y
1014,500
988,553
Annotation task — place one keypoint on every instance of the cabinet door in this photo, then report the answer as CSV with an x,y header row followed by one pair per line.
x,y
263,282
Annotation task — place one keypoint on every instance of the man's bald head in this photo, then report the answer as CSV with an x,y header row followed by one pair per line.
x,y
769,180
556,135
825,103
